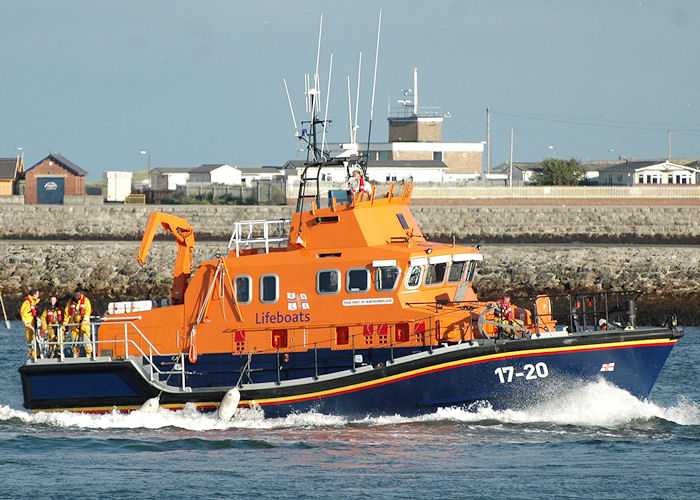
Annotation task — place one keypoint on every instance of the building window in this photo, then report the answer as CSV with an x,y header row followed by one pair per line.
x,y
414,275
437,155
269,288
386,278
357,280
435,273
242,284
328,281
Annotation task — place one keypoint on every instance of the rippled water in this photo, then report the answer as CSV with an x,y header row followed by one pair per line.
x,y
594,441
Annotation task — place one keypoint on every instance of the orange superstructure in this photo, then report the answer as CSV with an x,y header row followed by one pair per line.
x,y
356,275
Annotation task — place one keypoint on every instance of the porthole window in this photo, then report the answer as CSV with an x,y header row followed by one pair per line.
x,y
328,281
456,272
386,278
269,288
435,273
414,275
242,285
357,280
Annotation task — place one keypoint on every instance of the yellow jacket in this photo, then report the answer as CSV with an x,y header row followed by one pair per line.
x,y
77,315
25,309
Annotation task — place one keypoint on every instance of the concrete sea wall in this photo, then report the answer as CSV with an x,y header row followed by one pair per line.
x,y
58,248
643,225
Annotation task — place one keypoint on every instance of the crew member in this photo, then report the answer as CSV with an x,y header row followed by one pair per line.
x,y
28,313
507,315
359,186
51,320
78,312
506,309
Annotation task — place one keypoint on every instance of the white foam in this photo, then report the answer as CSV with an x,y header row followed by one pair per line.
x,y
596,404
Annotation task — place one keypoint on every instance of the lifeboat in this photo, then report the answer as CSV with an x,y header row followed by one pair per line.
x,y
346,309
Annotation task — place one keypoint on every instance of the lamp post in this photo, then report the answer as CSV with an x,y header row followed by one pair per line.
x,y
554,151
148,163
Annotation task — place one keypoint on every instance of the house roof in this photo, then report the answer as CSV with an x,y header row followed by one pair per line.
x,y
260,170
65,163
8,168
171,170
203,169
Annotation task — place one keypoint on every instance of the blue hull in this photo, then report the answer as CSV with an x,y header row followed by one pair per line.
x,y
506,374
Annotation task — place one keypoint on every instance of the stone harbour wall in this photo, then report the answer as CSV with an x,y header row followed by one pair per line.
x,y
109,272
546,224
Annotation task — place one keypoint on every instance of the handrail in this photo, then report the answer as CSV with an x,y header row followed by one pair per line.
x,y
64,330
238,238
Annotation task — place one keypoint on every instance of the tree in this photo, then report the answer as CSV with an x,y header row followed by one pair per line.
x,y
556,172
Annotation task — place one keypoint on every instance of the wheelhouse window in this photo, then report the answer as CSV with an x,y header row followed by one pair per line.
x,y
471,272
414,275
386,278
456,272
435,273
269,288
357,280
328,281
242,285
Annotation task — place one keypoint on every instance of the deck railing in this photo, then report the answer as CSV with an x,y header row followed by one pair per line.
x,y
133,340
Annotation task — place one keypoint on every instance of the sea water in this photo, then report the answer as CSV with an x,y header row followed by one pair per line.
x,y
595,441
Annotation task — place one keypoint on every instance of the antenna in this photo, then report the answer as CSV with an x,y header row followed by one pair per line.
x,y
291,108
328,98
374,84
357,101
317,86
350,109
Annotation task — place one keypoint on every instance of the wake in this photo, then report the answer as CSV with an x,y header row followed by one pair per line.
x,y
596,404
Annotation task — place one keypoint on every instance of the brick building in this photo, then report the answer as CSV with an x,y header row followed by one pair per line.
x,y
54,177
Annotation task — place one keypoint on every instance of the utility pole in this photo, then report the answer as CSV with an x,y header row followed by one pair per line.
x,y
488,140
510,169
669,145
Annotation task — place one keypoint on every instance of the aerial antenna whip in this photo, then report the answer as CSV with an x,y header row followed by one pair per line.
x,y
350,109
325,117
357,99
374,86
291,108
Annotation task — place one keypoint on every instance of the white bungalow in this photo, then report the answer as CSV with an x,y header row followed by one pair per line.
x,y
633,173
219,173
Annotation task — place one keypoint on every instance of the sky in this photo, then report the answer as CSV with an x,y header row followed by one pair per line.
x,y
196,82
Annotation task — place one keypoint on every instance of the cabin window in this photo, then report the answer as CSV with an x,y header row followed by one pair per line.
x,y
414,275
456,272
386,278
242,285
328,281
471,271
269,288
435,273
357,280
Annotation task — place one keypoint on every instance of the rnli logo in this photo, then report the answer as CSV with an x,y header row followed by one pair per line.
x,y
51,186
297,301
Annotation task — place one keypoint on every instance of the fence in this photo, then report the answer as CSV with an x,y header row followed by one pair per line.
x,y
260,192
544,192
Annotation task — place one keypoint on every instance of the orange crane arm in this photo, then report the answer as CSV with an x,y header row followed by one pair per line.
x,y
184,235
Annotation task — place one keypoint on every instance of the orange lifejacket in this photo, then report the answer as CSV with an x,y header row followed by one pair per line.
x,y
81,309
33,304
506,310
54,315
